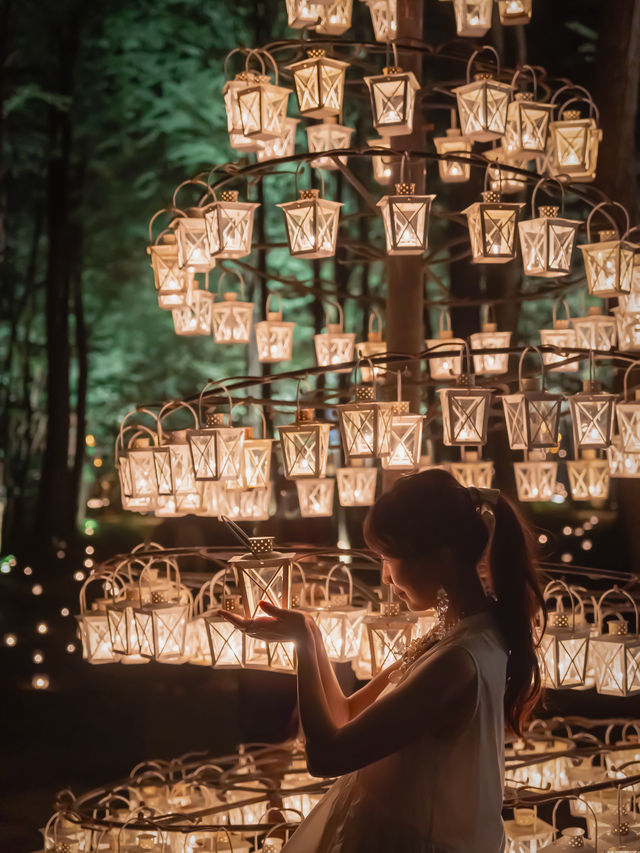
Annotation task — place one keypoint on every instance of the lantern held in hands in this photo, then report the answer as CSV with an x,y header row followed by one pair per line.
x,y
265,575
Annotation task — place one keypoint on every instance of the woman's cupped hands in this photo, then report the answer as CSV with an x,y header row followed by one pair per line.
x,y
279,625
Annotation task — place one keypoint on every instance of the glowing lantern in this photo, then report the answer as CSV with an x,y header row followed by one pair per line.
x,y
532,417
335,346
592,418
279,146
393,95
232,319
230,90
527,125
305,445
217,449
465,415
374,345
471,470
173,284
340,622
256,459
173,464
450,365
327,137
595,331
365,425
265,575
473,17
229,225
161,624
274,336
492,229
535,477
146,486
406,220
315,497
319,82
194,317
482,104
622,463
356,485
490,338
562,337
405,441
303,13
562,652
226,642
574,142
384,168
630,302
263,108
608,265
389,634
589,477
628,329
122,627
384,18
547,242
501,179
453,171
526,833
514,12
93,624
616,656
243,504
191,237
628,418
312,225
140,459
335,18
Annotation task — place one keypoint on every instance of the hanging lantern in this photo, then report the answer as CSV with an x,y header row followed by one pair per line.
x,y
365,425
243,504
514,12
340,622
526,833
303,13
615,656
535,477
263,108
161,624
482,104
312,225
335,346
630,302
385,169
473,17
356,485
472,470
191,238
547,242
237,138
628,330
122,626
406,220
315,497
622,463
453,171
274,336
589,477
608,265
592,417
393,95
527,125
319,82
500,178
374,345
405,441
335,18
389,634
628,418
465,415
279,146
229,226
574,143
93,624
492,229
265,575
562,652
562,337
328,136
173,285
232,319
384,18
595,331
305,445
445,366
532,417
141,471
490,338
174,471
217,449
256,460
194,318
226,642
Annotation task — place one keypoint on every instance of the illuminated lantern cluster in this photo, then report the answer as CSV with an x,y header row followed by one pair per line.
x,y
393,95
312,225
406,220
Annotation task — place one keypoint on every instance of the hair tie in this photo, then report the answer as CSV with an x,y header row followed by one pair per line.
x,y
484,501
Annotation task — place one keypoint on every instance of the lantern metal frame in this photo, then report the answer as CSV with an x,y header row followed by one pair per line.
x,y
229,225
482,103
274,336
334,346
592,417
453,144
406,220
279,146
547,242
389,634
563,648
527,127
473,17
384,19
574,141
609,263
216,448
472,470
596,331
393,95
193,318
312,225
492,228
615,657
335,17
161,624
264,574
341,624
93,622
535,476
316,496
589,477
305,444
232,319
328,136
357,485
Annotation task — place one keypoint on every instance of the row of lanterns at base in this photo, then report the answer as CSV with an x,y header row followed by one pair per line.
x,y
157,618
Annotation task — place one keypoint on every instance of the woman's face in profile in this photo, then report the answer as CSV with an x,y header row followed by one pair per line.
x,y
414,581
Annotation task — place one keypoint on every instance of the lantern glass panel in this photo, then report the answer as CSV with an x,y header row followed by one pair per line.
x,y
592,418
489,363
478,473
304,449
527,127
482,108
232,321
315,497
574,148
608,266
547,246
385,169
405,441
588,479
595,332
453,171
532,420
257,462
562,654
473,17
334,347
357,486
514,12
335,18
319,83
630,302
384,18
302,13
328,137
535,479
628,417
312,226
245,504
628,329
216,452
162,630
406,221
621,462
393,101
142,469
274,341
229,227
265,578
193,246
341,628
194,318
389,637
226,642
564,339
492,231
279,146
465,415
616,661
263,108
358,429
197,643
96,638
447,366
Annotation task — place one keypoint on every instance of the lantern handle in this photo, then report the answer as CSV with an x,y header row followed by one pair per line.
x,y
300,166
625,379
284,824
226,272
594,113
542,181
122,430
480,50
302,379
444,324
237,531
296,565
610,218
140,429
216,168
534,77
567,312
616,588
225,67
551,586
106,577
173,210
588,805
211,383
274,64
176,583
358,366
251,405
333,303
375,318
587,99
255,53
268,309
631,724
196,182
403,166
630,231
493,164
342,566
140,817
167,409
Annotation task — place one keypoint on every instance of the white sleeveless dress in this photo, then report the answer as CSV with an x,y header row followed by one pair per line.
x,y
436,795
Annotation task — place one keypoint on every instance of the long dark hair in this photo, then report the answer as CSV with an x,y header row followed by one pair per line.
x,y
430,510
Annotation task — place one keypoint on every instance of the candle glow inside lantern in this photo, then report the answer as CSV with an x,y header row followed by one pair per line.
x,y
406,220
630,302
237,138
302,13
389,634
563,648
482,104
174,470
384,19
335,18
492,229
312,225
608,264
226,642
93,624
173,284
194,317
244,504
315,497
574,144
532,417
161,623
365,425
563,338
140,463
374,345
191,238
232,320
279,146
472,470
405,441
327,137
340,622
527,126
628,330
122,626
473,17
628,418
393,95
527,834
547,243
274,336
445,366
229,226
319,82
305,446
385,169
465,415
453,171
615,656
490,338
217,449
356,485
335,346
514,12
535,477
622,463
592,418
263,108
589,477
500,178
265,575
595,331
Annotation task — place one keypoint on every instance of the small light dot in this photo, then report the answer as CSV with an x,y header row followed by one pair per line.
x,y
36,589
28,570
594,519
587,544
562,453
579,531
97,462
543,538
89,531
10,640
566,558
567,530
42,628
64,611
40,682
88,563
89,549
70,648
587,525
90,440
78,576
5,567
61,554
37,657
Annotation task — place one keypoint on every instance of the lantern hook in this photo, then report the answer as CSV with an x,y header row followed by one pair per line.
x,y
610,218
541,182
211,383
231,271
480,50
167,409
195,182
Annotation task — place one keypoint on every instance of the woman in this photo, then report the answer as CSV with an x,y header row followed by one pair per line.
x,y
422,744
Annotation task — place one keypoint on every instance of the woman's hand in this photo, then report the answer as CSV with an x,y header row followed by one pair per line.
x,y
280,625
